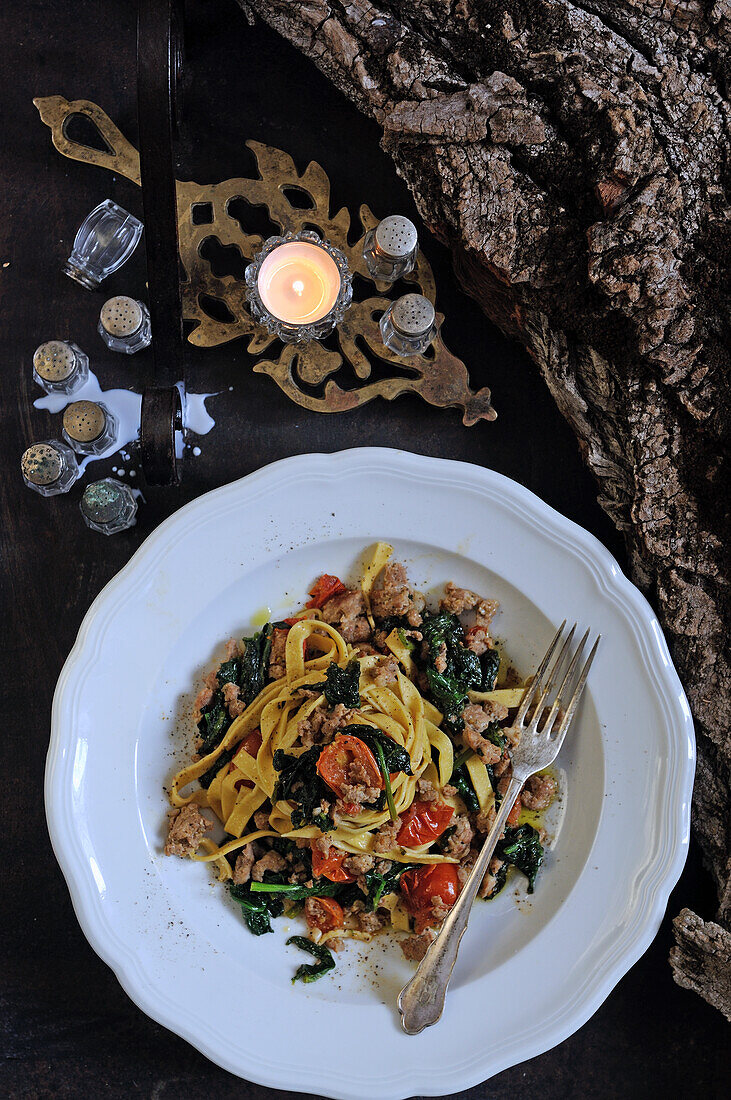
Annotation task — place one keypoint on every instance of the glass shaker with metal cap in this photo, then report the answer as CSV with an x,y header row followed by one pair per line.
x,y
106,239
108,506
390,250
49,467
60,366
409,325
89,427
124,324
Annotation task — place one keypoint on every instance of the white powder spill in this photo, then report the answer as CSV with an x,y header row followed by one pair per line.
x,y
196,417
127,407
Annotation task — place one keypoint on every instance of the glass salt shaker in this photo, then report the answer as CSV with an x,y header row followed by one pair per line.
x,y
60,366
49,467
106,239
390,250
108,506
409,325
124,324
89,427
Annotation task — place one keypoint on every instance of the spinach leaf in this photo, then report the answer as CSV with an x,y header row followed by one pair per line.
x,y
494,733
340,685
207,778
255,664
299,782
380,884
489,665
522,847
396,756
256,911
295,891
310,972
463,784
393,622
462,672
229,672
213,724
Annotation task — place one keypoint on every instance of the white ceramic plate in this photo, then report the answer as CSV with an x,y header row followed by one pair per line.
x,y
176,942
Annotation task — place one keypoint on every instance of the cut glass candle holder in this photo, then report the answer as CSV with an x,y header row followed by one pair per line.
x,y
60,367
49,467
390,250
124,325
108,506
106,239
409,325
276,278
89,427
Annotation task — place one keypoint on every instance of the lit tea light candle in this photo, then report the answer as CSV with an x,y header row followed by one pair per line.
x,y
299,287
299,282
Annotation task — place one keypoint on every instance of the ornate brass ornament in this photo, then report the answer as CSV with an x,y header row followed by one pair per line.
x,y
205,215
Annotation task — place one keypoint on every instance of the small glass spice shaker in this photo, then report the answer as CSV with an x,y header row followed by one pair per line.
x,y
391,248
106,239
124,324
60,366
49,467
89,427
108,506
409,325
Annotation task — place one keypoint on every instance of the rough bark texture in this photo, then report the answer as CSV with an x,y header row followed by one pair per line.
x,y
701,959
572,156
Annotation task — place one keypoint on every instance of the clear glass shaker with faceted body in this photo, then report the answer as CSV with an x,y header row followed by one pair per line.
x,y
49,467
89,427
124,324
108,506
60,366
106,239
390,250
409,325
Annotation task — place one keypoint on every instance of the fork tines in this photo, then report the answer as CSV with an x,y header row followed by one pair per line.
x,y
538,695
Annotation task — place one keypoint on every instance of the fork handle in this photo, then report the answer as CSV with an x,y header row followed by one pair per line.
x,y
421,1001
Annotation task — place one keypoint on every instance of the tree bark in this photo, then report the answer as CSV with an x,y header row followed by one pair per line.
x,y
572,156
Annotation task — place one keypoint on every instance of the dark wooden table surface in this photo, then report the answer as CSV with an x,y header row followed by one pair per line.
x,y
68,1029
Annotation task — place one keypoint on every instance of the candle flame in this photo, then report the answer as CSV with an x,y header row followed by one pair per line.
x,y
298,287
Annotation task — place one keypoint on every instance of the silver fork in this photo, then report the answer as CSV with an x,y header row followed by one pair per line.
x,y
421,1001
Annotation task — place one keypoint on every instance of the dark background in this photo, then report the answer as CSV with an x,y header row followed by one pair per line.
x,y
68,1029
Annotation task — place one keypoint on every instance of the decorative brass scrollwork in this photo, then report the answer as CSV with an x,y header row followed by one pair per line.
x,y
217,304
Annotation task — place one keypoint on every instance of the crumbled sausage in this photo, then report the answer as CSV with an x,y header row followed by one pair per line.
x,y
415,947
458,600
347,613
448,791
204,696
538,792
357,917
270,861
489,882
356,791
322,724
439,909
186,827
244,863
485,820
335,943
465,868
426,790
440,661
477,717
233,649
316,914
323,844
385,838
386,673
261,819
358,865
477,638
458,843
392,596
277,655
234,705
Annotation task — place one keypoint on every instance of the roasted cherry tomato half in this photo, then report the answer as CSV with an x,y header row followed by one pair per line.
x,y
324,588
335,758
331,865
418,887
323,913
423,822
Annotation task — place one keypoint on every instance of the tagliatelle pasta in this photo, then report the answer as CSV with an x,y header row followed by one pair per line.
x,y
351,757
